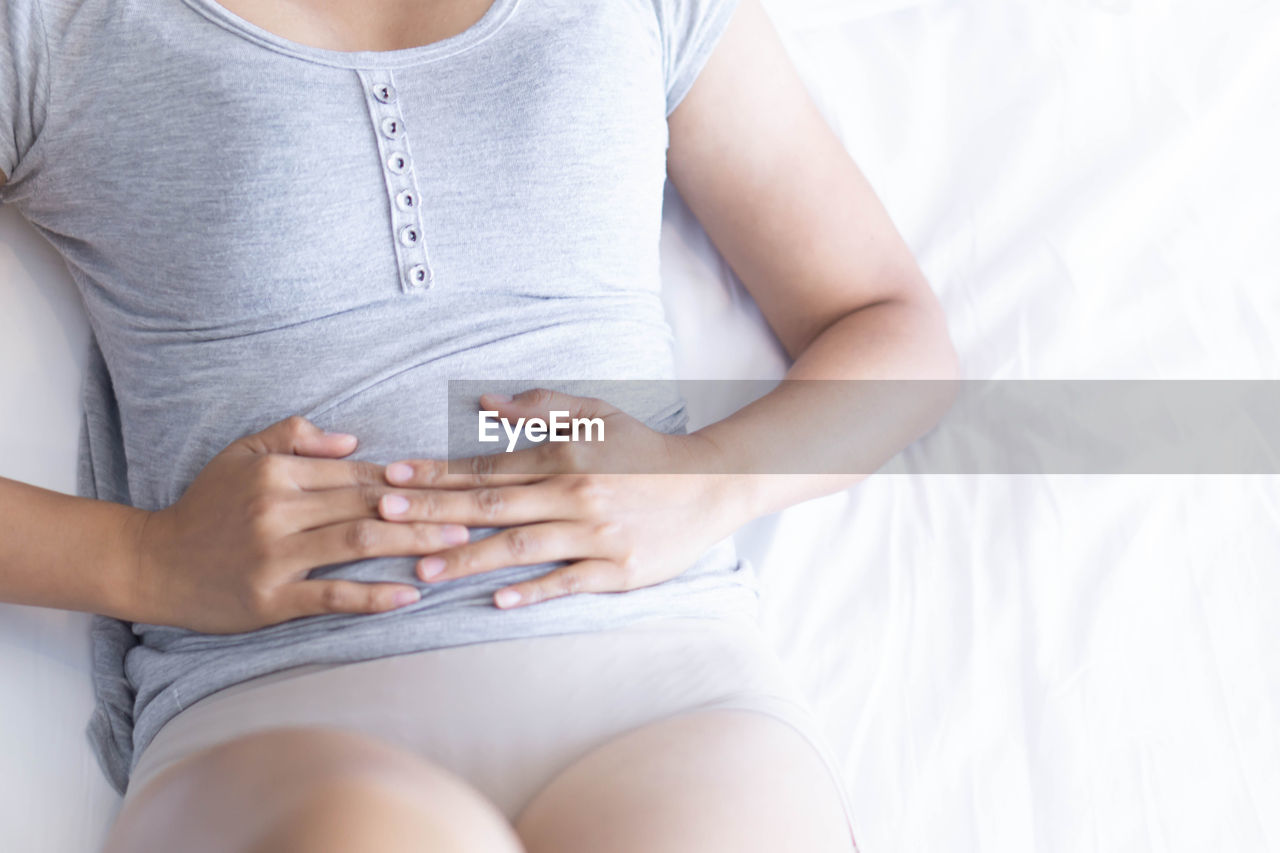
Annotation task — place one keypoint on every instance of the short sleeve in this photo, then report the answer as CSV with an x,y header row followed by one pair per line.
x,y
690,31
24,81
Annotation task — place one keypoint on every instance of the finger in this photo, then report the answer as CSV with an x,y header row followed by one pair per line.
x,y
314,597
364,538
297,435
515,546
496,506
309,510
582,576
505,469
315,474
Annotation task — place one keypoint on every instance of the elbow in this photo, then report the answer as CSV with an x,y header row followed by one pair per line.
x,y
936,361
948,357
934,352
942,360
939,359
943,364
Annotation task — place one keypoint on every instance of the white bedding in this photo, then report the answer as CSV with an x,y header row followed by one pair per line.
x,y
1002,663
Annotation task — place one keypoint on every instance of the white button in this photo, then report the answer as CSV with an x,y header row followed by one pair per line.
x,y
409,235
418,276
385,93
406,200
397,164
392,127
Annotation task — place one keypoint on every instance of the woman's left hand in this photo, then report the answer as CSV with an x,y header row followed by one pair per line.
x,y
619,531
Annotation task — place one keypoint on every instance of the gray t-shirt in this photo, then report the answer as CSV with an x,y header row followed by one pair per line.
x,y
261,228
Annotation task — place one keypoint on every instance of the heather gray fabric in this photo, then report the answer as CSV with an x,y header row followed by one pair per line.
x,y
260,228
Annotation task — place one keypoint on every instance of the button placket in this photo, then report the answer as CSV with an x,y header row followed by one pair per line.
x,y
403,196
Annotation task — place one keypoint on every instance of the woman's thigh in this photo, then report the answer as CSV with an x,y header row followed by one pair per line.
x,y
716,779
308,789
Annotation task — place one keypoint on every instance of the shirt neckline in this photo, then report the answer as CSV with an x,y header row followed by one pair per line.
x,y
489,23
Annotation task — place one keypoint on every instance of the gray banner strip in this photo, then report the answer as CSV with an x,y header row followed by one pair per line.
x,y
991,427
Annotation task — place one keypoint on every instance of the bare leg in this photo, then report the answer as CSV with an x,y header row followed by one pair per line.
x,y
309,789
704,780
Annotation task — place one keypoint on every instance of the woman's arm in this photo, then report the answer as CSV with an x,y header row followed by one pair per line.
x,y
62,551
804,231
232,554
793,216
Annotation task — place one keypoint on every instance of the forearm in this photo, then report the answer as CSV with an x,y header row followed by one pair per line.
x,y
73,553
846,428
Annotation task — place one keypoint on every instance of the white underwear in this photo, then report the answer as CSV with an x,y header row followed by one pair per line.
x,y
507,716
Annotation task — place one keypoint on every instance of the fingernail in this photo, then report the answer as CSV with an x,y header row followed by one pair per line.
x,y
507,598
430,567
398,472
455,534
407,596
394,504
500,398
342,435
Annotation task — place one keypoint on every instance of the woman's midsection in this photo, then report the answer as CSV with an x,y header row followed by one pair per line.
x,y
382,376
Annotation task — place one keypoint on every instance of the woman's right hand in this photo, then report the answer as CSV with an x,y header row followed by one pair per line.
x,y
232,554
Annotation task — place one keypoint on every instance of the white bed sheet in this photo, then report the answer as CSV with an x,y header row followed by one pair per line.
x,y
1002,663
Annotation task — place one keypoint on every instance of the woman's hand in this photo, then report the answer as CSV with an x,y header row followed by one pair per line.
x,y
232,554
620,531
